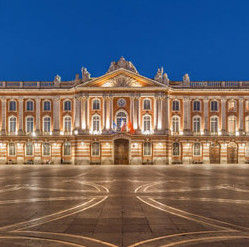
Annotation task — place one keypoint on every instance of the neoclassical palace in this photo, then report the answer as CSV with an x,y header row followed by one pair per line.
x,y
123,117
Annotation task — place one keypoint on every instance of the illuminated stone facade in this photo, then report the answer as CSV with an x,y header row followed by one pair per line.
x,y
75,121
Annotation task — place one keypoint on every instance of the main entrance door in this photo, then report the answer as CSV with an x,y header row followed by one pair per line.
x,y
214,153
232,153
121,151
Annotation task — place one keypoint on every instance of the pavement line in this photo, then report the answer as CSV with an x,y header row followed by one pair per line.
x,y
43,239
193,217
66,235
208,239
44,199
174,235
52,217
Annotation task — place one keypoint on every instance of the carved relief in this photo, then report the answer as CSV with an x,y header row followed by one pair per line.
x,y
122,81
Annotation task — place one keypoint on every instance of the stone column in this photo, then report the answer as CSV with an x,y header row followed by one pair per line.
x,y
38,116
136,113
111,111
241,116
131,108
187,116
56,116
139,113
3,102
104,113
159,113
84,112
166,119
155,113
77,113
87,113
107,114
20,116
82,119
206,116
223,116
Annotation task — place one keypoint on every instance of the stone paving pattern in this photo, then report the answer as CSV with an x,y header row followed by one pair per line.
x,y
195,205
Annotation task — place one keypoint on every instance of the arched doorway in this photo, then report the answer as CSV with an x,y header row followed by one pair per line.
x,y
121,151
214,153
232,153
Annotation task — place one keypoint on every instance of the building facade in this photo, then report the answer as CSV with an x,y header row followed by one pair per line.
x,y
123,117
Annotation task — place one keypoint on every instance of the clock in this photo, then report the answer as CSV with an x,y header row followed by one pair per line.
x,y
121,102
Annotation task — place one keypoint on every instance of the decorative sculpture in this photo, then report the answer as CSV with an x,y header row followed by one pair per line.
x,y
122,63
161,77
85,74
186,80
57,81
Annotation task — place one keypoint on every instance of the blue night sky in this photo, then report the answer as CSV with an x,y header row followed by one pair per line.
x,y
207,39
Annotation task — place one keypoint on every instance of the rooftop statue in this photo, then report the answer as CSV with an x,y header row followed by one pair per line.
x,y
186,80
57,80
161,77
85,74
122,63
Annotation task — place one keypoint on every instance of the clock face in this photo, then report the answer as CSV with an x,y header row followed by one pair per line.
x,y
121,102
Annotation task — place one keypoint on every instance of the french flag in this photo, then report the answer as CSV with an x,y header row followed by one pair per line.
x,y
123,125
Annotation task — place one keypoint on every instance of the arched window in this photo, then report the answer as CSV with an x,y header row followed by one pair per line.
x,y
46,149
247,125
95,149
147,149
96,104
30,105
231,105
47,105
46,124
214,123
232,124
146,123
96,123
175,124
176,149
67,105
12,149
12,124
121,116
67,124
197,149
214,105
12,105
29,124
146,104
176,105
196,105
197,124
29,149
67,149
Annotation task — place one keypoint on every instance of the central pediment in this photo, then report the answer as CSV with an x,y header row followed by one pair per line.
x,y
122,78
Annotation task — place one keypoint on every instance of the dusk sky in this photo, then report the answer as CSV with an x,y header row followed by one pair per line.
x,y
209,39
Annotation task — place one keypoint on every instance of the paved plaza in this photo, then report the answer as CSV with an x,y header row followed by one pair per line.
x,y
62,206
